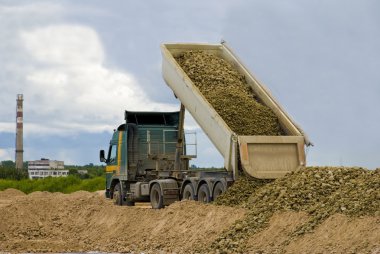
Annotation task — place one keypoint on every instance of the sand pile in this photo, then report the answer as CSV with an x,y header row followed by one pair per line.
x,y
83,221
11,193
227,91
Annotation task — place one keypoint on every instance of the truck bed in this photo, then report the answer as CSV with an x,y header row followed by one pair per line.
x,y
259,156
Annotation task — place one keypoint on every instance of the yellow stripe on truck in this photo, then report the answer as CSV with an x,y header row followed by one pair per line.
x,y
111,168
119,149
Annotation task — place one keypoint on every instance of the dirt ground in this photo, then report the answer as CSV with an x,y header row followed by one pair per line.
x,y
83,221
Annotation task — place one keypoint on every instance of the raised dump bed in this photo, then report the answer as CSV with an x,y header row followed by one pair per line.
x,y
261,156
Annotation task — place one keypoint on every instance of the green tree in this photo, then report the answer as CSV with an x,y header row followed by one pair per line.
x,y
10,172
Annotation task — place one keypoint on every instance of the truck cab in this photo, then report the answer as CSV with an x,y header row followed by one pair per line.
x,y
147,160
142,148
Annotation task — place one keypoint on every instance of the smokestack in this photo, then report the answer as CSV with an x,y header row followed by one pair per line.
x,y
19,132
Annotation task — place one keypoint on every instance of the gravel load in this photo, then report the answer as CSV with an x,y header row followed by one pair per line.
x,y
227,91
318,191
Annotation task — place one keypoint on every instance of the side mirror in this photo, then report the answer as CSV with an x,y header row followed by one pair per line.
x,y
101,156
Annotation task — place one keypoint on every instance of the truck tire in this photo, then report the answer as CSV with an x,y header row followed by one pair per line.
x,y
117,197
156,198
204,194
188,192
218,190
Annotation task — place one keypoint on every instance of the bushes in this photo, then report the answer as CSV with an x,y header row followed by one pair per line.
x,y
10,172
93,180
59,184
92,184
92,171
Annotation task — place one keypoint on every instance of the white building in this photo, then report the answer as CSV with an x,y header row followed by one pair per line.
x,y
45,168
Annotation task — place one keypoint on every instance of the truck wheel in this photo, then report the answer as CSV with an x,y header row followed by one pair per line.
x,y
204,194
218,190
117,195
156,198
188,192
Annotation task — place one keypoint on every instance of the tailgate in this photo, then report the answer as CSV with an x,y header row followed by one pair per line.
x,y
269,157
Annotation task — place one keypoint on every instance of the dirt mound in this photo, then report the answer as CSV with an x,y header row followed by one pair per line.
x,y
274,237
337,234
10,193
83,221
227,91
319,191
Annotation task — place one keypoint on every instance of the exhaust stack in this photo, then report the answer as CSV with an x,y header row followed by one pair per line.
x,y
19,132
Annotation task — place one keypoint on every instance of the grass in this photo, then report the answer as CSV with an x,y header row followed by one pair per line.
x,y
59,184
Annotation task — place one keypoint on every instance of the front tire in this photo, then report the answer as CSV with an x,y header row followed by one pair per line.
x,y
156,198
117,197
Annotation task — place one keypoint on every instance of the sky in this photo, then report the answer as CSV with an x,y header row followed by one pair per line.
x,y
80,64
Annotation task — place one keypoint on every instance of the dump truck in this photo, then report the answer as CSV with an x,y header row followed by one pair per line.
x,y
147,158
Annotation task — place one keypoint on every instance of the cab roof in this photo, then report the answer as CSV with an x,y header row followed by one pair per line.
x,y
152,118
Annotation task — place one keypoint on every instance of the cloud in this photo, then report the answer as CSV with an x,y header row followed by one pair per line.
x,y
67,45
6,154
38,8
15,63
62,69
68,86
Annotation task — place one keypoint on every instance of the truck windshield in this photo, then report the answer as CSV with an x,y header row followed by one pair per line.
x,y
112,154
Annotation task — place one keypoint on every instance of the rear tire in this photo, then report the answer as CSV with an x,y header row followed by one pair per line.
x,y
218,190
117,197
204,194
156,198
188,192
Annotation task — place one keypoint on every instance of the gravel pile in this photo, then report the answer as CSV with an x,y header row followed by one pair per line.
x,y
241,190
319,191
227,91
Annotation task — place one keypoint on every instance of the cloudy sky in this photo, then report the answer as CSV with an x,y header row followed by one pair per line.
x,y
80,64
